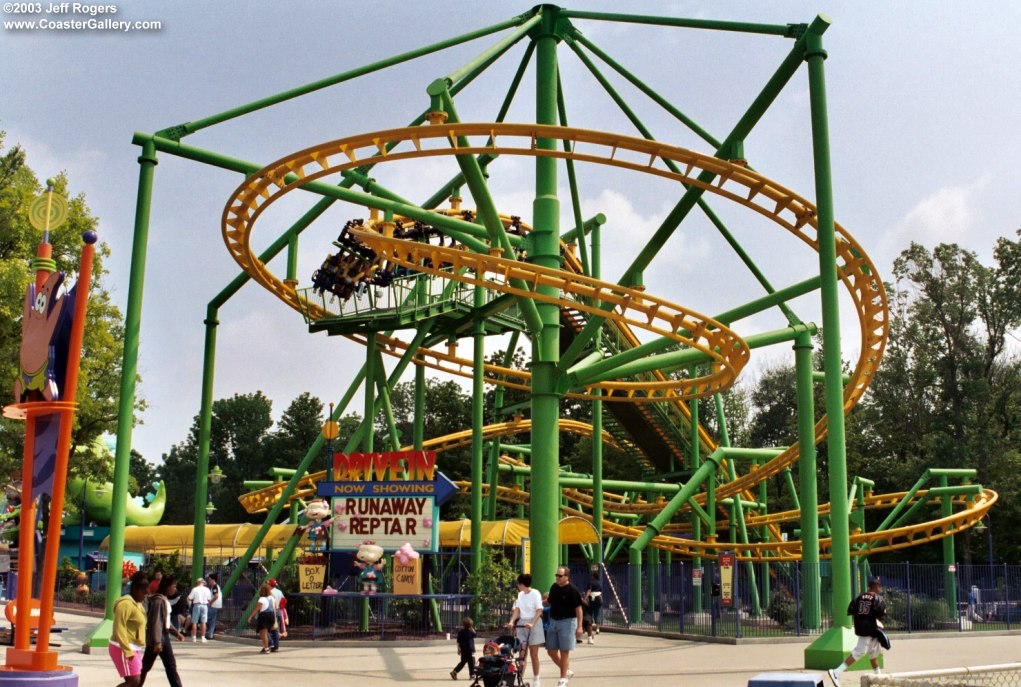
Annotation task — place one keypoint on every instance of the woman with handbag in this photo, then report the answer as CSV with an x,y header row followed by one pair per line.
x,y
264,614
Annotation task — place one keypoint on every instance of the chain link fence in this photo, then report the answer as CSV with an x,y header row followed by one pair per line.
x,y
1005,675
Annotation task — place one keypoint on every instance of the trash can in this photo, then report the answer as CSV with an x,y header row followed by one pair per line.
x,y
786,680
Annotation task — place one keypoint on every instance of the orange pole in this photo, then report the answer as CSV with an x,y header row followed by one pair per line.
x,y
44,250
26,542
68,393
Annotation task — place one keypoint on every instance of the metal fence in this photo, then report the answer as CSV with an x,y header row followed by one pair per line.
x,y
769,598
677,598
1005,675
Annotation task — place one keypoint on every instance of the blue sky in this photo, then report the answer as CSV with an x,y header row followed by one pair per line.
x,y
924,130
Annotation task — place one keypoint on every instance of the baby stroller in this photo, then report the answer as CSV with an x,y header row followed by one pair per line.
x,y
502,664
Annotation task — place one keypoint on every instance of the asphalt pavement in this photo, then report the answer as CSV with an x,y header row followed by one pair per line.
x,y
615,660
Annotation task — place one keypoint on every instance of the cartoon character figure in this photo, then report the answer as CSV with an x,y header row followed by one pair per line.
x,y
318,512
369,559
39,331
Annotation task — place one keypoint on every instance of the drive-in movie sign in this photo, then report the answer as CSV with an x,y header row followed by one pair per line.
x,y
391,498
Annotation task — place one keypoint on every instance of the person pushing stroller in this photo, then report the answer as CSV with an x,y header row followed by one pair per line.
x,y
526,622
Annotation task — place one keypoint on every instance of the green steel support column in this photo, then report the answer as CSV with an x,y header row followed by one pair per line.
x,y
656,526
564,554
652,568
829,649
763,534
792,491
587,226
721,420
519,482
597,474
811,577
478,420
292,258
695,460
597,405
202,459
368,422
544,511
742,531
493,474
572,183
946,504
383,394
369,407
418,430
147,161
634,583
418,437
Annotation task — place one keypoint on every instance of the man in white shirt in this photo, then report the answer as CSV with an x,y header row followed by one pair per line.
x,y
199,599
215,604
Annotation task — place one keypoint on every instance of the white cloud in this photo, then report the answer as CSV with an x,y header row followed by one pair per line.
x,y
950,214
80,164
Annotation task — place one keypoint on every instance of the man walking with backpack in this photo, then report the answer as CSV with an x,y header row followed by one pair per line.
x,y
868,609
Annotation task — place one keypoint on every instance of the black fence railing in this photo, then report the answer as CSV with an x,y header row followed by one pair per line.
x,y
768,600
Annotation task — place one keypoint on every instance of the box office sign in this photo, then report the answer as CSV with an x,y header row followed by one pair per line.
x,y
311,577
390,498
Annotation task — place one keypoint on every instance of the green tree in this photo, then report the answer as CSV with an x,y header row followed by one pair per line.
x,y
99,378
143,473
946,393
238,427
299,426
245,444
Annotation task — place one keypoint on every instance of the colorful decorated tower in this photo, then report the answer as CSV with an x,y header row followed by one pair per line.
x,y
52,328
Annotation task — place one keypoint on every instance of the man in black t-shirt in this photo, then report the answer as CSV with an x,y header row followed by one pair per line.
x,y
868,609
565,623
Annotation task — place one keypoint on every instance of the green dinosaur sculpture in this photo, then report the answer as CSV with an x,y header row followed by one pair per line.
x,y
147,511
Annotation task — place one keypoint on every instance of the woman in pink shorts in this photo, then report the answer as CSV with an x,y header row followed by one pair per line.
x,y
128,638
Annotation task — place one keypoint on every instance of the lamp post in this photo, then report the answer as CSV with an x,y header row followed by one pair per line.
x,y
216,475
989,550
986,525
330,432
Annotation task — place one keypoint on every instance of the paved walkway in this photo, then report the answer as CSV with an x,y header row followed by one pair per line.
x,y
614,661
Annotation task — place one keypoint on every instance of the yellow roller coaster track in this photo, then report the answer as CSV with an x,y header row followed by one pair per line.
x,y
632,308
862,543
262,499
